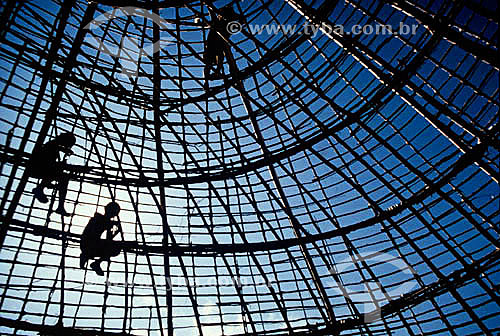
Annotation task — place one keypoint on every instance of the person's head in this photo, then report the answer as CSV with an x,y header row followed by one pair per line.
x,y
112,209
66,139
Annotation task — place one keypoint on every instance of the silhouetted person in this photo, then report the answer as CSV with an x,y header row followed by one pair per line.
x,y
91,244
216,47
47,164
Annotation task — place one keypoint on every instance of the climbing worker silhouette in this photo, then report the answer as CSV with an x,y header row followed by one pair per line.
x,y
91,244
46,164
216,46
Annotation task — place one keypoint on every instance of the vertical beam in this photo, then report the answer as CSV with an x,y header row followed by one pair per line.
x,y
159,166
10,133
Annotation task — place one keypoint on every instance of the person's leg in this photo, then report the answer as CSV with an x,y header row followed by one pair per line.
x,y
218,58
44,172
84,257
219,70
111,250
39,189
96,267
89,250
209,60
39,194
62,188
99,253
206,74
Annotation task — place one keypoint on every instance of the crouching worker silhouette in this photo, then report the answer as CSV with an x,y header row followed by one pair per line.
x,y
46,164
217,47
91,244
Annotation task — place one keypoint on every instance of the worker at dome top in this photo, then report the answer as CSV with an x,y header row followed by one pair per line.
x,y
47,164
91,244
216,46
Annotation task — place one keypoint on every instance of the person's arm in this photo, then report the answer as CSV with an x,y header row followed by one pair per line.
x,y
118,226
109,233
66,150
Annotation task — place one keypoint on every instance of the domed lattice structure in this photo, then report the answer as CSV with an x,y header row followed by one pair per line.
x,y
338,176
